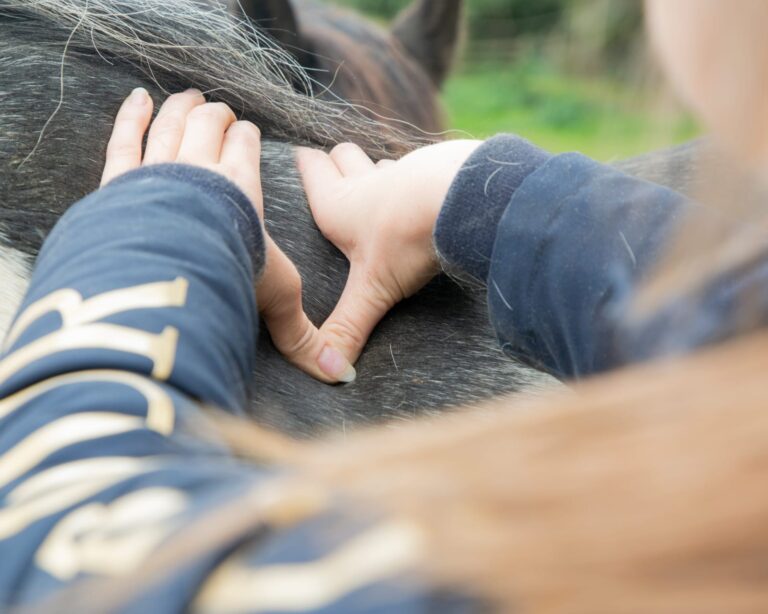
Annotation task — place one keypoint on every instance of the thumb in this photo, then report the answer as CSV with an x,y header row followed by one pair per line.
x,y
294,335
362,305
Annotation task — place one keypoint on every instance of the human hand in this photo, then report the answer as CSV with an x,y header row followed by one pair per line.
x,y
188,130
381,217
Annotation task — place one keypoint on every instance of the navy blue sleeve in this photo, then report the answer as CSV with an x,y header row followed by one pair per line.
x,y
136,315
115,495
198,240
561,242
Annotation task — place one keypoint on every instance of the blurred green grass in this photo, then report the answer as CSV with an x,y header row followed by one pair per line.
x,y
602,118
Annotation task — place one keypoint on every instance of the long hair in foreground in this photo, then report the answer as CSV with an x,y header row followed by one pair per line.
x,y
639,491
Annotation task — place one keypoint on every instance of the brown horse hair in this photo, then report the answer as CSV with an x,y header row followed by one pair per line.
x,y
643,490
638,491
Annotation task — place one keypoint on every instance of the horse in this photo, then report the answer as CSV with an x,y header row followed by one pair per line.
x,y
65,68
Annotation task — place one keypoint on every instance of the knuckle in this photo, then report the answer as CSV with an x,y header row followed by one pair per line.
x,y
293,286
121,149
167,126
380,296
212,111
346,330
176,99
223,109
203,112
244,130
346,149
301,340
180,103
193,94
130,114
247,126
127,122
285,297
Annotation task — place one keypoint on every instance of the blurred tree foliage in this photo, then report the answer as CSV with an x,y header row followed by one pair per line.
x,y
532,15
599,34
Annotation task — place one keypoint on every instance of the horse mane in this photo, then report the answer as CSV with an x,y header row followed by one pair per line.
x,y
202,43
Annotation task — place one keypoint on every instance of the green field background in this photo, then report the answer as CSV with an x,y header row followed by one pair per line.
x,y
601,117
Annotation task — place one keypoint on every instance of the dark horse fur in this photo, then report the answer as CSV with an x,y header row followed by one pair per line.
x,y
65,66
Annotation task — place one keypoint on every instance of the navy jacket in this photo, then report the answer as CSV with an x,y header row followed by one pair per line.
x,y
563,244
141,310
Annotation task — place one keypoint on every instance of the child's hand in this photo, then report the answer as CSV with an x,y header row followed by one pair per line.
x,y
381,216
190,131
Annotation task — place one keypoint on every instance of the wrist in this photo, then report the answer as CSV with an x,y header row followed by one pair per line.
x,y
481,191
433,170
451,156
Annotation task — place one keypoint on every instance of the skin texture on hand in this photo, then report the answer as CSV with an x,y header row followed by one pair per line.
x,y
188,130
381,217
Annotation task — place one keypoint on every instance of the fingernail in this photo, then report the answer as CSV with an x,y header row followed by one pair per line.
x,y
193,91
333,364
139,96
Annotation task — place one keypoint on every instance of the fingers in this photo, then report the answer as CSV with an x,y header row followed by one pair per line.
x,y
240,154
294,335
167,130
359,310
204,133
318,172
331,181
351,160
124,148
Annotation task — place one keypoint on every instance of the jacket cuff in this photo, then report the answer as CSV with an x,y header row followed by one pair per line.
x,y
232,200
466,227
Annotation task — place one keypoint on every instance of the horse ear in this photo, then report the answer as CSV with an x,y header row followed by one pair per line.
x,y
430,31
278,19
